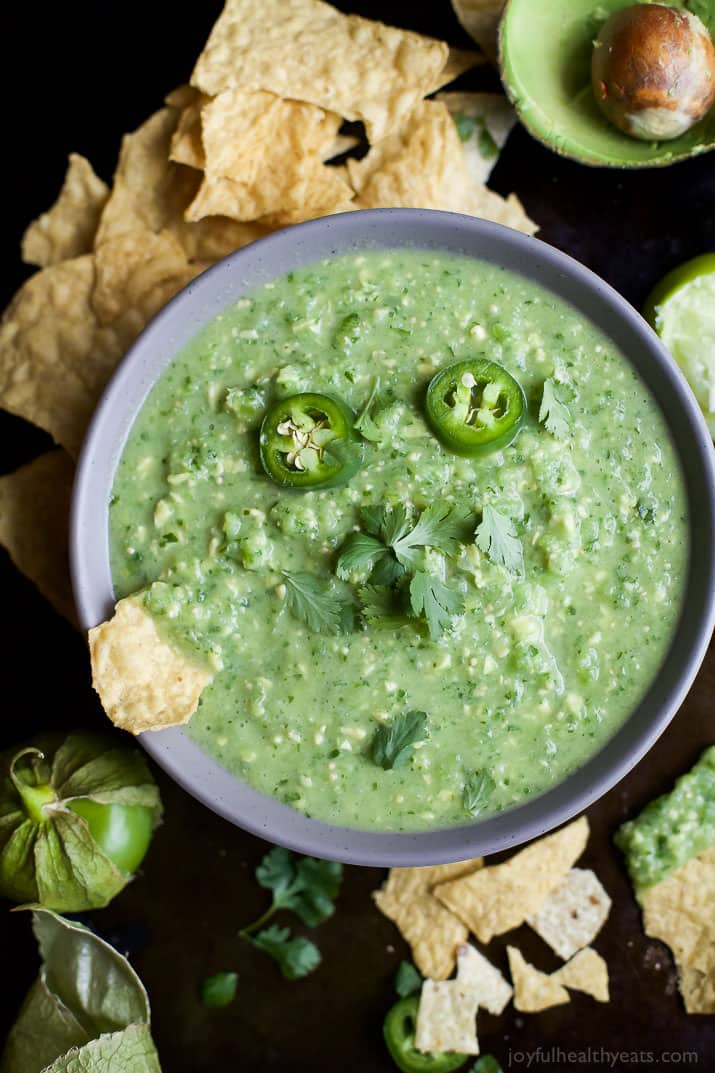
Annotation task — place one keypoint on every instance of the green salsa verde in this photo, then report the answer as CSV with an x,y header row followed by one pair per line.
x,y
559,589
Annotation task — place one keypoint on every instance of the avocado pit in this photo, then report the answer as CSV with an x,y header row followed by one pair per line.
x,y
653,71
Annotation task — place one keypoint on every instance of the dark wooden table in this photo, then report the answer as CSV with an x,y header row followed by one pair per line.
x,y
74,77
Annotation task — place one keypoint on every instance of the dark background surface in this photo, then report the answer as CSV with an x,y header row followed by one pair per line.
x,y
75,77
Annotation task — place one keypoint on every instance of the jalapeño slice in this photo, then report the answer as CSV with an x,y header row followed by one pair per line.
x,y
475,406
399,1031
308,441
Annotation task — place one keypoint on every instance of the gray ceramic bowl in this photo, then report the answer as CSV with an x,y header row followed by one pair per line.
x,y
389,228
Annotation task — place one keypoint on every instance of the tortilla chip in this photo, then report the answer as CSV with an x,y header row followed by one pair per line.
x,y
151,192
432,931
480,18
679,912
68,228
697,989
447,1018
65,330
186,145
493,118
342,143
533,990
586,972
182,97
34,525
143,682
484,979
424,166
278,170
459,60
306,50
496,899
573,914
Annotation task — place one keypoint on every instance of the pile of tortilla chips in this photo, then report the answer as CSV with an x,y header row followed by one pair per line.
x,y
436,909
247,147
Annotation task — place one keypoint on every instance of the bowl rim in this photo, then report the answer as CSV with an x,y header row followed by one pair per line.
x,y
309,242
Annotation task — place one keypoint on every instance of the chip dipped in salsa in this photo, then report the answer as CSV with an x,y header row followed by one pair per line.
x,y
423,522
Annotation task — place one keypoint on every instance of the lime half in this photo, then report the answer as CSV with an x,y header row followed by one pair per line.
x,y
681,308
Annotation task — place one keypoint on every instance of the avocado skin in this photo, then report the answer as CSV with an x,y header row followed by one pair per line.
x,y
548,43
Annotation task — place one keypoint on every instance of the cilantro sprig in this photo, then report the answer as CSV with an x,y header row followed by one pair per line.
x,y
553,411
296,957
388,549
305,886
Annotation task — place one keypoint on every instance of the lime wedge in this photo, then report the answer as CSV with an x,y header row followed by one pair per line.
x,y
681,308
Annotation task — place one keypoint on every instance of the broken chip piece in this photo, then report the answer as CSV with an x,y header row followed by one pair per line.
x,y
679,912
143,681
34,522
501,897
571,916
587,972
447,1016
533,990
433,932
477,972
68,228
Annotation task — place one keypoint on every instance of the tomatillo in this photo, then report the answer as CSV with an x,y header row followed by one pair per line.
x,y
475,407
399,1032
309,441
76,820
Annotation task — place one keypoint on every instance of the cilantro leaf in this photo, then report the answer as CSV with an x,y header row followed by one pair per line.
x,y
440,525
395,524
381,607
429,596
359,552
391,745
388,572
465,125
305,885
407,979
488,148
486,1064
219,990
365,422
478,787
553,412
313,600
496,537
295,957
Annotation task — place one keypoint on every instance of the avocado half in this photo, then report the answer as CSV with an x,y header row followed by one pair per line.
x,y
545,61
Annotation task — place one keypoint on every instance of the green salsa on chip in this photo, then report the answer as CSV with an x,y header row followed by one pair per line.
x,y
425,523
